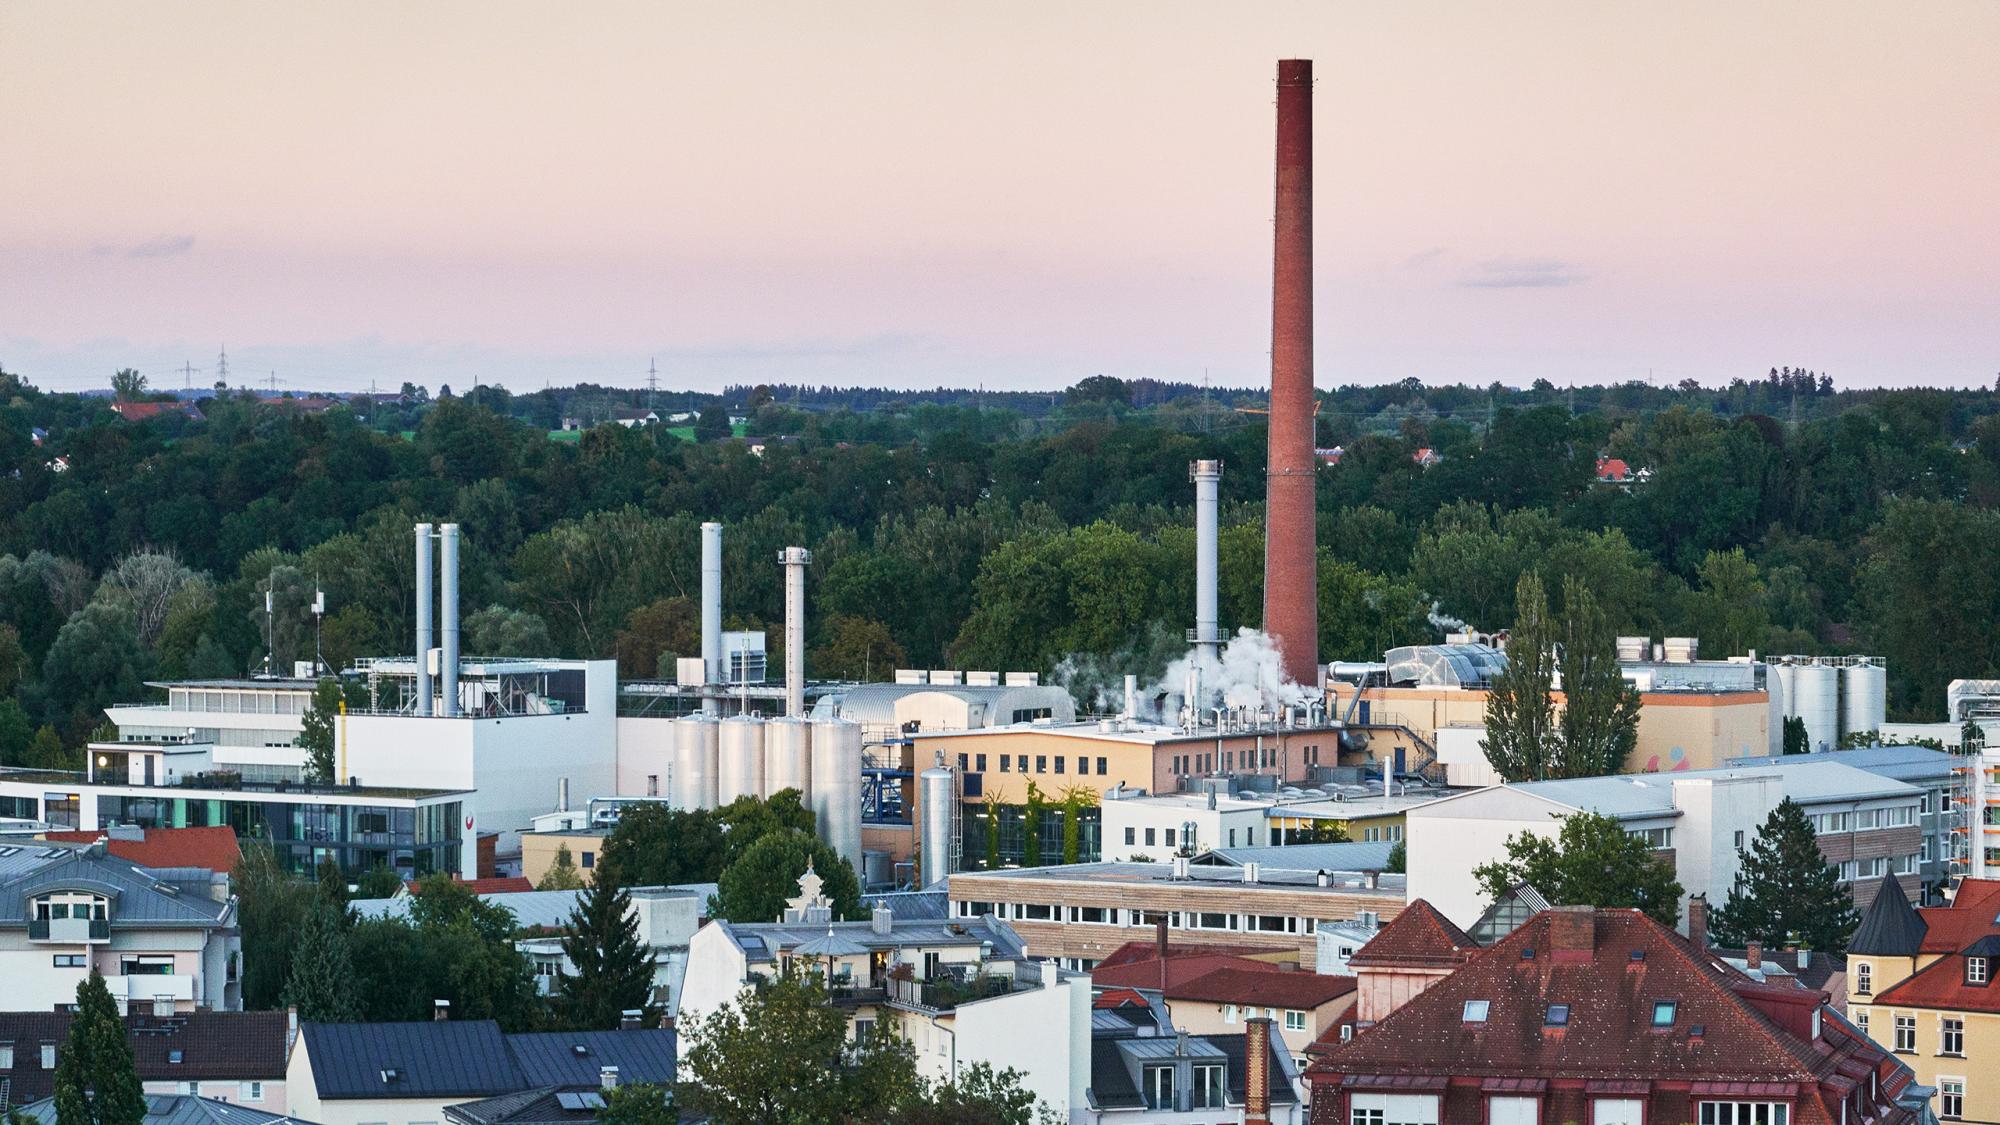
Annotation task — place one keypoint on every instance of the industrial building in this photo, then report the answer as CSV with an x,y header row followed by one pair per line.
x,y
1158,827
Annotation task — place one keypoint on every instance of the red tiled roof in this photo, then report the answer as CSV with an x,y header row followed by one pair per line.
x,y
1419,936
140,411
1974,913
1226,979
505,884
1135,951
1118,998
1941,984
1612,468
214,848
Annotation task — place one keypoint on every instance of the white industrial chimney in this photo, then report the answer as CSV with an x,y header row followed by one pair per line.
x,y
448,617
1207,476
424,600
711,615
795,560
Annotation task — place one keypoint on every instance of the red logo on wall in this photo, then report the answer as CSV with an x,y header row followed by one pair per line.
x,y
468,824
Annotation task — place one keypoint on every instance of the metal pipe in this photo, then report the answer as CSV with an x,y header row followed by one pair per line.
x,y
448,618
424,601
795,560
711,616
1207,476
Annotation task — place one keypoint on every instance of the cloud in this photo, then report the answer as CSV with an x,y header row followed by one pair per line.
x,y
1523,273
164,246
1423,258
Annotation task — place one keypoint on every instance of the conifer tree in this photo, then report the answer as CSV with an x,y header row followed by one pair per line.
x,y
1796,741
1520,719
323,984
614,971
316,733
562,875
1786,891
1600,718
96,1081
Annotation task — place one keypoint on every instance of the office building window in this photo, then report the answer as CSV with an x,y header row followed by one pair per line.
x,y
1059,763
1006,764
1041,763
1082,764
1021,762
1149,838
964,762
1100,767
589,860
1167,835
979,762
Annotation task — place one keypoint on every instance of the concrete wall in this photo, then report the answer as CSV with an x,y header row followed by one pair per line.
x,y
644,760
1043,1032
538,853
1444,841
1161,816
716,972
1713,810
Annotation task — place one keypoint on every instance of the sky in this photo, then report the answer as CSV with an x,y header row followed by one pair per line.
x,y
1012,195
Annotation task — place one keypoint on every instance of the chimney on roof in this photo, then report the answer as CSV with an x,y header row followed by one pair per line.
x,y
440,1009
881,920
607,1077
1572,932
1698,921
1805,959
1753,954
629,1018
1257,1071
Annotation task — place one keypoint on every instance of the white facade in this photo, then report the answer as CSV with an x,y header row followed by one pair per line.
x,y
250,724
1042,1032
1443,842
1155,829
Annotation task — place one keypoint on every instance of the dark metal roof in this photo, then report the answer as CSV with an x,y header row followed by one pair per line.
x,y
472,1059
553,1058
1892,927
213,1047
177,1109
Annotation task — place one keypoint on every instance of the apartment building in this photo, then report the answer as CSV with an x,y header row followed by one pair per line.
x,y
1932,772
233,1057
243,726
1217,993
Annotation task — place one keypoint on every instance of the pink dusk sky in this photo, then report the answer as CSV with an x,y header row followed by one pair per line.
x,y
1003,194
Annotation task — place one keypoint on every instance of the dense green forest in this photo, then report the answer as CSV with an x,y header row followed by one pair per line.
x,y
1011,530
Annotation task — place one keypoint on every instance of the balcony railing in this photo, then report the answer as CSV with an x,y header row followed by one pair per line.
x,y
142,987
69,931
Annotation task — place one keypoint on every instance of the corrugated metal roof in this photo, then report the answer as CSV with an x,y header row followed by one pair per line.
x,y
172,897
177,1109
1365,855
472,1059
1644,794
572,1058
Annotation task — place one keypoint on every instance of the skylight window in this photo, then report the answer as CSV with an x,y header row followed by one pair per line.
x,y
1558,1016
1663,1013
174,1056
1475,1011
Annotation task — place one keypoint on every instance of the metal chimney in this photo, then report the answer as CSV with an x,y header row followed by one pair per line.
x,y
448,618
711,615
424,600
795,560
1207,477
1291,578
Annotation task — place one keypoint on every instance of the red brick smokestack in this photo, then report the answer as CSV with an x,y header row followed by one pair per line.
x,y
1257,1072
1291,575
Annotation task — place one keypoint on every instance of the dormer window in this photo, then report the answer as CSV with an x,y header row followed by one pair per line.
x,y
1977,970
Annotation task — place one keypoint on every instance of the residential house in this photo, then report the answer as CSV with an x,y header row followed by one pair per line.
x,y
234,1057
409,1073
178,1109
1144,1070
142,411
1607,1017
164,939
1218,993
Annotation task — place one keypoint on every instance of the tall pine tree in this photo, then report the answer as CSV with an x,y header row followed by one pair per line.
x,y
1600,718
96,1082
1520,720
323,984
614,971
1786,891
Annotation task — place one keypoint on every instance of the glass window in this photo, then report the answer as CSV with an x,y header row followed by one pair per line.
x,y
1130,835
1951,1097
1513,1111
1209,1091
1041,763
1006,763
1475,1011
1906,1033
1864,978
1082,764
1159,1087
1100,767
1021,763
1663,1013
1150,834
1975,970
1059,763
1295,1020
1745,1113
1394,1109
1557,1016
979,762
1951,1037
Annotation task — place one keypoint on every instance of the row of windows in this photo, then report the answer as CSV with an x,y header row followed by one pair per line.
x,y
1903,1031
1295,1019
1901,816
1422,1109
1654,837
1862,869
1018,763
1266,758
1385,833
1117,916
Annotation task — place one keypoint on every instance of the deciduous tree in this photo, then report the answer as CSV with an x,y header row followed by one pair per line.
x,y
1592,861
1520,719
96,1080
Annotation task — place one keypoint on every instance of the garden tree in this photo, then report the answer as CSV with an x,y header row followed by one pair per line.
x,y
1786,893
979,1096
1398,858
1075,799
316,733
1599,725
96,660
47,752
638,1103
562,874
1795,738
96,1081
272,909
499,631
1591,862
756,886
748,819
857,648
1520,719
654,633
127,385
453,946
322,983
145,584
781,1053
654,845
1031,825
712,424
613,969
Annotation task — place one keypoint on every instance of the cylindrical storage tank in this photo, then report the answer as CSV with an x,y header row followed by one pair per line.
x,y
836,787
1816,700
742,766
937,792
788,758
696,751
1777,679
1864,691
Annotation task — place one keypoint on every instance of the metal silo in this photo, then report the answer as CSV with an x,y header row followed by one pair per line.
x,y
695,755
1864,691
788,757
937,796
1777,678
836,787
1816,699
741,744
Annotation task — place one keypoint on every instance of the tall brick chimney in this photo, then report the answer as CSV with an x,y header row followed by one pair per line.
x,y
1697,921
1257,1071
1291,578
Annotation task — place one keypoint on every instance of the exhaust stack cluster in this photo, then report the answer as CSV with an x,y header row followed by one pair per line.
x,y
444,700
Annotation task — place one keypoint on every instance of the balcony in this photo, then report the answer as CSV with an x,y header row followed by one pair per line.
x,y
142,988
69,931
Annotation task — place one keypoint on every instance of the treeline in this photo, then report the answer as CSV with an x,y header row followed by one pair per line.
x,y
979,536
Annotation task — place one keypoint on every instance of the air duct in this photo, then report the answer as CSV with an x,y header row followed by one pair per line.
x,y
711,615
424,602
448,618
795,561
1291,582
1207,476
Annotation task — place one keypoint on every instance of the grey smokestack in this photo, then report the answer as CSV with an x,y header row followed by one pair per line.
x,y
711,614
1207,476
448,617
424,600
795,560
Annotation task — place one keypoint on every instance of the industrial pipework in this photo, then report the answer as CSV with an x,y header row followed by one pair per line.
x,y
1291,580
1207,477
448,618
795,560
711,616
424,600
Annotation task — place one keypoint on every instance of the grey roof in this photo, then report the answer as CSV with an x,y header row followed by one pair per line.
x,y
1129,873
912,905
1365,855
532,909
1651,794
1891,927
1904,763
763,941
171,897
472,1059
544,1105
830,944
177,1109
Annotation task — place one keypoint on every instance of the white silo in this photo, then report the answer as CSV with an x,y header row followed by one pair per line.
x,y
1864,692
1816,700
788,757
695,757
1777,678
937,795
741,744
836,787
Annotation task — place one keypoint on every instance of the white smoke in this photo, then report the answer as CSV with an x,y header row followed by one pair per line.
x,y
1247,674
1444,621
